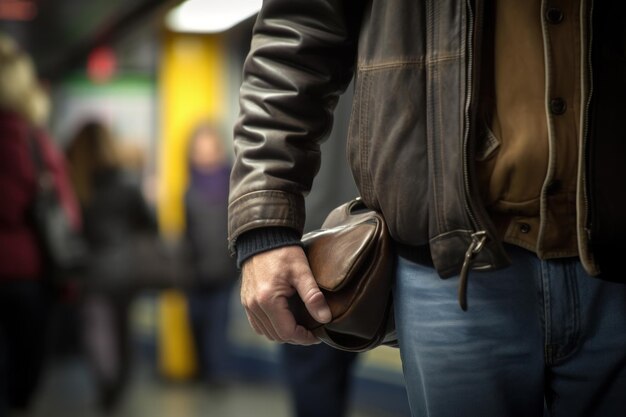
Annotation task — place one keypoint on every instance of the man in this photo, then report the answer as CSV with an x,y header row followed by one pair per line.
x,y
490,136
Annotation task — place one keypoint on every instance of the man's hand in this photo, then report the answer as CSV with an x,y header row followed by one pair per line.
x,y
268,280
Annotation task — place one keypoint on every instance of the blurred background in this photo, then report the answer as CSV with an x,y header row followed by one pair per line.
x,y
142,98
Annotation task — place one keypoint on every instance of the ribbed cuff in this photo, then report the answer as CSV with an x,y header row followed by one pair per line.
x,y
261,240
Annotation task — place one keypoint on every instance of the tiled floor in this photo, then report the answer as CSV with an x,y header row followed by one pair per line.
x,y
67,392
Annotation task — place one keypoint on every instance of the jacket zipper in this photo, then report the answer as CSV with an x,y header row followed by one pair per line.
x,y
468,104
479,237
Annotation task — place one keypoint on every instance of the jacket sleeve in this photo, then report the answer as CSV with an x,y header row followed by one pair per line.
x,y
301,59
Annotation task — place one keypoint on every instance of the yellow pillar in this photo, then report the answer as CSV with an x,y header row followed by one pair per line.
x,y
176,355
191,84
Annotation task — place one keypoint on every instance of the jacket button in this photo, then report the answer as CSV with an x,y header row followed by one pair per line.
x,y
557,106
554,15
524,228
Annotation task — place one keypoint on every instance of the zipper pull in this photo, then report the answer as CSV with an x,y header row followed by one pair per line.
x,y
478,243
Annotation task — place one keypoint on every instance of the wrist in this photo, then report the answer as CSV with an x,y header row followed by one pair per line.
x,y
262,240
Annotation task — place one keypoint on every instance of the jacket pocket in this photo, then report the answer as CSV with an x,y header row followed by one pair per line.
x,y
387,147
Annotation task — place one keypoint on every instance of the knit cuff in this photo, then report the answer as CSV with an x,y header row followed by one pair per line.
x,y
261,240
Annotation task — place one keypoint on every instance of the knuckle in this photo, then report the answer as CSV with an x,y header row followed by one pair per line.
x,y
264,297
247,302
311,295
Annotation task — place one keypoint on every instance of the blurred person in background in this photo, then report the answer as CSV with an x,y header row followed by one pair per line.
x,y
214,272
114,213
24,273
314,372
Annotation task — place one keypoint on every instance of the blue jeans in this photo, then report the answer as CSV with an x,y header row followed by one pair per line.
x,y
537,335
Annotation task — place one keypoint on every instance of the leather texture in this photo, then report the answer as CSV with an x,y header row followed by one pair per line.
x,y
409,65
352,261
413,127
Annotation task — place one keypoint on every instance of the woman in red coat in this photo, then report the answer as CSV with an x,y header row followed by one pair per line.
x,y
23,111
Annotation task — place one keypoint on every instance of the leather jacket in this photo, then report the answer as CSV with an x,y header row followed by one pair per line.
x,y
410,144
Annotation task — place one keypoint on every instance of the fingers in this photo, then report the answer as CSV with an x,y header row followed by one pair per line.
x,y
268,279
313,298
274,320
259,327
284,325
256,317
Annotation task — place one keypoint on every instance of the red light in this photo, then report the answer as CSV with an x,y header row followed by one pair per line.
x,y
17,10
101,64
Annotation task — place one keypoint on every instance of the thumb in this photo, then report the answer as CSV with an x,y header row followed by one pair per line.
x,y
313,298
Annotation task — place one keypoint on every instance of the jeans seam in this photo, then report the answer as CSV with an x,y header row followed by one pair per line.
x,y
573,342
545,287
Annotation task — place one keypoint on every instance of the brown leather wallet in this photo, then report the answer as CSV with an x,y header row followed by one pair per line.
x,y
352,261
